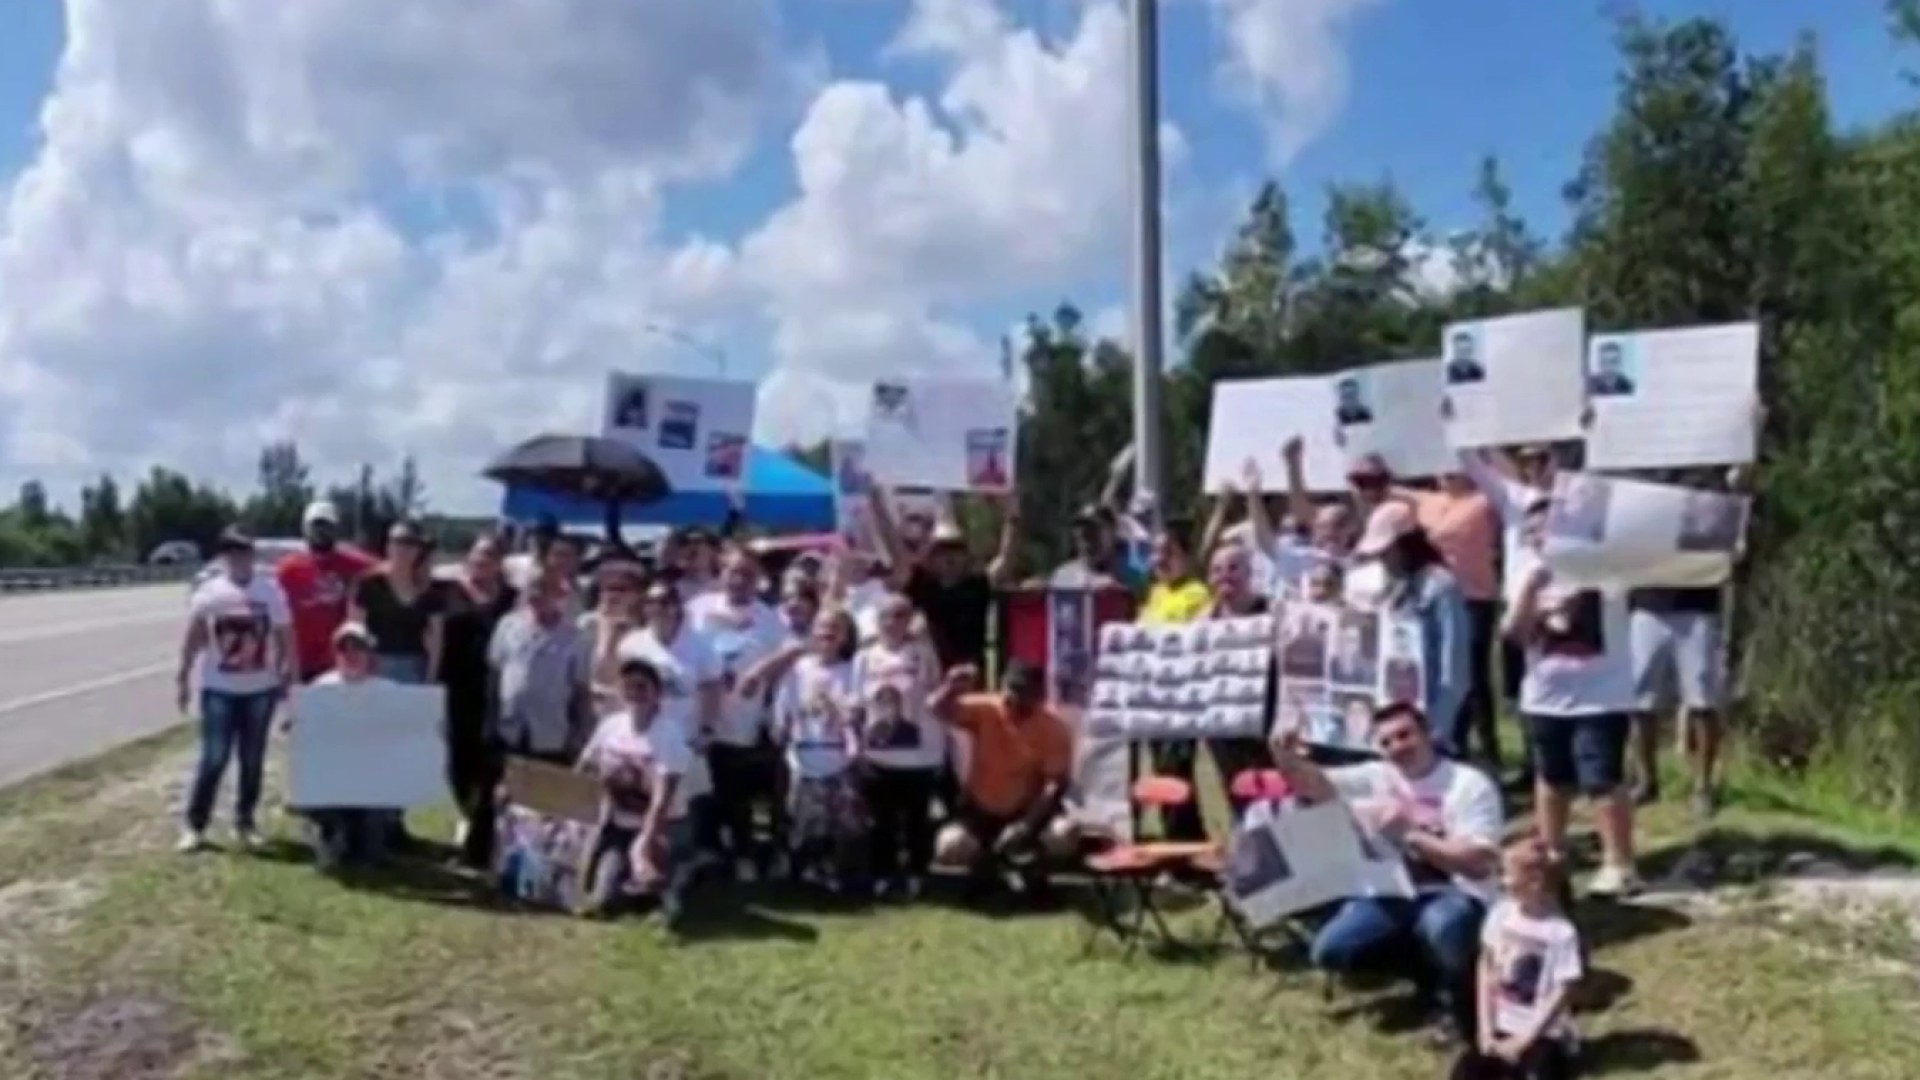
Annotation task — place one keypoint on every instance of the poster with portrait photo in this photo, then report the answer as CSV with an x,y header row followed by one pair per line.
x,y
1403,426
1351,407
943,434
1252,418
671,418
1514,379
1352,712
1311,856
1306,632
1656,535
1403,675
1673,398
1070,647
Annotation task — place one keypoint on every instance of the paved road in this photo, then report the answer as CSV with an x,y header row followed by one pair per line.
x,y
84,672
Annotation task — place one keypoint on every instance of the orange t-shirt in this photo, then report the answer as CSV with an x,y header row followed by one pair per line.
x,y
1012,762
1466,530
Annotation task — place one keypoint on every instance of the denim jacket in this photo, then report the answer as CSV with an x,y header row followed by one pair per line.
x,y
1434,600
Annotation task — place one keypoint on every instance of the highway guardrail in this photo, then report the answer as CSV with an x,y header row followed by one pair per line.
x,y
50,579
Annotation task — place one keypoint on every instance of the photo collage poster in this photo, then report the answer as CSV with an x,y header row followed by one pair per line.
x,y
853,498
943,435
1338,665
1200,680
1282,862
696,430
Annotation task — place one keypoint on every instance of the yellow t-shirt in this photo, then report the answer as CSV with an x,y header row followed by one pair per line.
x,y
1174,602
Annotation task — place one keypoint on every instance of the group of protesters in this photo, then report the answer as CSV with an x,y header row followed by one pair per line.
x,y
826,721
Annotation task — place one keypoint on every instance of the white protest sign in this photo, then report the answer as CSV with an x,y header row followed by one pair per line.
x,y
853,496
1673,398
374,745
1605,531
1284,862
942,435
1253,418
696,430
1202,680
1393,410
1515,379
1338,665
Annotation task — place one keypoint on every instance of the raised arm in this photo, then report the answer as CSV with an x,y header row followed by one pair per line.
x,y
1299,502
887,532
1256,496
1000,567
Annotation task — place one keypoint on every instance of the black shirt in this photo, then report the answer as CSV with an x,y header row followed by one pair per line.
x,y
1675,601
400,628
956,615
470,623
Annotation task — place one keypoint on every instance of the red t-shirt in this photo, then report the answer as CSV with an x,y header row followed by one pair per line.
x,y
318,587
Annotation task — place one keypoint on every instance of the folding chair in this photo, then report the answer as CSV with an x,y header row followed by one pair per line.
x,y
1126,875
1250,787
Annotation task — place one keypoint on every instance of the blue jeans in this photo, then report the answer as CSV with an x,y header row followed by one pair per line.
x,y
229,722
1434,939
407,668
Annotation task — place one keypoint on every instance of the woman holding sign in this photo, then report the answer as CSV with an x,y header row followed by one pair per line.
x,y
1419,587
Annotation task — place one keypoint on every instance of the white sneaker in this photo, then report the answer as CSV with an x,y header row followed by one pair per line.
x,y
1614,881
191,840
460,834
247,839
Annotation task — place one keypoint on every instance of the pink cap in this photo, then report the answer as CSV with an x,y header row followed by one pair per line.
x,y
1385,526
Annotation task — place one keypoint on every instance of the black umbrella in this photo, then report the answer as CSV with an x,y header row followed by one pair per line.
x,y
585,465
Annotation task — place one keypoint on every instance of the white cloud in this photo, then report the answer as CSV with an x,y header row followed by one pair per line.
x,y
1285,59
433,226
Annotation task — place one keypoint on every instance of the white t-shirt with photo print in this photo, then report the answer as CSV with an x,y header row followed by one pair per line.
x,y
1533,960
240,620
739,638
1582,664
1453,800
685,664
916,740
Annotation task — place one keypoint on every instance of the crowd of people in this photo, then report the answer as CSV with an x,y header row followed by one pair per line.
x,y
826,721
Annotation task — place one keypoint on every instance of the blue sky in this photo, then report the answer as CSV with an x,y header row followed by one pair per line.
x,y
1435,86
898,262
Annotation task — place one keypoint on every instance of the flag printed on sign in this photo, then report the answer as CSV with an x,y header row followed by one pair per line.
x,y
680,427
1070,644
987,460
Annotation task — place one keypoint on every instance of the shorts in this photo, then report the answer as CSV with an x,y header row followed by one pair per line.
x,y
1677,655
1583,753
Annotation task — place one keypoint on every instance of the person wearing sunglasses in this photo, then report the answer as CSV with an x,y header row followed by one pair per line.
x,y
1444,818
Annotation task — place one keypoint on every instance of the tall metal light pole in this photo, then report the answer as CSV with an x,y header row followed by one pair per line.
x,y
1148,334
705,348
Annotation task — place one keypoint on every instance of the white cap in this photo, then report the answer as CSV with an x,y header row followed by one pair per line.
x,y
319,511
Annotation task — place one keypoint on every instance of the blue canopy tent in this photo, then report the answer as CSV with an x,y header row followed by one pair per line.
x,y
782,495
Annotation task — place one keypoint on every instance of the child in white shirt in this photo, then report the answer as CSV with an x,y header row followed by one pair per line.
x,y
1530,961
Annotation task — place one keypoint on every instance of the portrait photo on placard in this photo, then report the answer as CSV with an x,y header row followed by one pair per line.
x,y
1465,365
1351,404
1579,509
850,470
1612,368
726,455
679,425
1353,710
1400,668
1573,623
1256,863
1711,522
1356,650
633,411
987,464
892,402
1303,644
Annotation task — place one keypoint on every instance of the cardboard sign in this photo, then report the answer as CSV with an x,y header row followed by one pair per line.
x,y
553,790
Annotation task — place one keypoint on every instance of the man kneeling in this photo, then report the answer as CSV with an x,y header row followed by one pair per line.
x,y
1009,821
1445,819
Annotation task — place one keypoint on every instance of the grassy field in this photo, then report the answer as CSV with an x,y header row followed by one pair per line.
x,y
121,960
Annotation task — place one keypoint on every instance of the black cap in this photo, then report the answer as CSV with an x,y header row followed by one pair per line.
x,y
233,538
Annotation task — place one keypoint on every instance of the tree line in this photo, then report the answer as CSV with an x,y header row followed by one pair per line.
x,y
1719,190
168,506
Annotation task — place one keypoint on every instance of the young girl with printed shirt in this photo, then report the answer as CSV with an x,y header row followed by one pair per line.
x,y
644,844
903,748
814,713
1530,961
